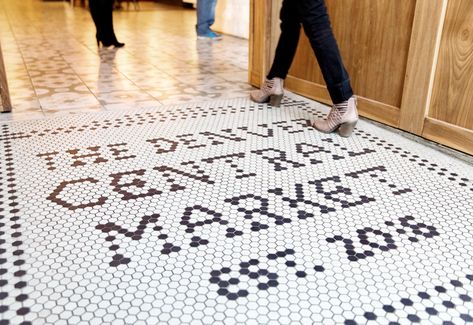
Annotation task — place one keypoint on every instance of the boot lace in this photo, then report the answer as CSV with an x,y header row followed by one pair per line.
x,y
268,86
336,113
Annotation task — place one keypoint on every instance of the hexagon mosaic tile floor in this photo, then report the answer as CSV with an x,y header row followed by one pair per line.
x,y
229,212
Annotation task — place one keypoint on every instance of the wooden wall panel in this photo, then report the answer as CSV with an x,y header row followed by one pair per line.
x,y
5,102
260,32
452,99
374,38
275,27
449,135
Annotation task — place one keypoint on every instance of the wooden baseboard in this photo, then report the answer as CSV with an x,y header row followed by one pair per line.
x,y
378,111
448,134
308,89
371,109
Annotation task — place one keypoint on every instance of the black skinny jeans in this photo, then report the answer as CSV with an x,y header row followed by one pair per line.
x,y
313,16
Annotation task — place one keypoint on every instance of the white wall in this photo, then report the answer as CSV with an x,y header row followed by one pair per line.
x,y
233,17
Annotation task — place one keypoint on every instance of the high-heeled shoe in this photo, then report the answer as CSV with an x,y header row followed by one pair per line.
x,y
342,118
115,43
272,91
118,44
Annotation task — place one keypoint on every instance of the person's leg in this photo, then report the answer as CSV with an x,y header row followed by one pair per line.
x,y
211,15
108,34
94,12
287,44
107,14
205,16
344,115
317,26
273,88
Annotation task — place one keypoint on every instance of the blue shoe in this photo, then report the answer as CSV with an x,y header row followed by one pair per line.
x,y
210,36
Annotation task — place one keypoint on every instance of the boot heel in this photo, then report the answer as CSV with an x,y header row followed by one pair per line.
x,y
275,100
346,129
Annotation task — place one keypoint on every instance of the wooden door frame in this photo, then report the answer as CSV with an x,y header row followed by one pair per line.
x,y
424,48
260,41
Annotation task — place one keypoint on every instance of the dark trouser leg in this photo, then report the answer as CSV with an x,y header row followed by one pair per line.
x,y
95,13
287,45
319,31
107,13
101,11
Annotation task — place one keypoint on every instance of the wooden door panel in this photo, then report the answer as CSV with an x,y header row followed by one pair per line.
x,y
374,39
452,99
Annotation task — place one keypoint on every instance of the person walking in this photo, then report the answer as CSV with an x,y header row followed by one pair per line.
x,y
101,12
313,16
205,20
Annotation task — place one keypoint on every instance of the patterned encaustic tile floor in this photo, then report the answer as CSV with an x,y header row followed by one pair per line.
x,y
54,67
229,212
